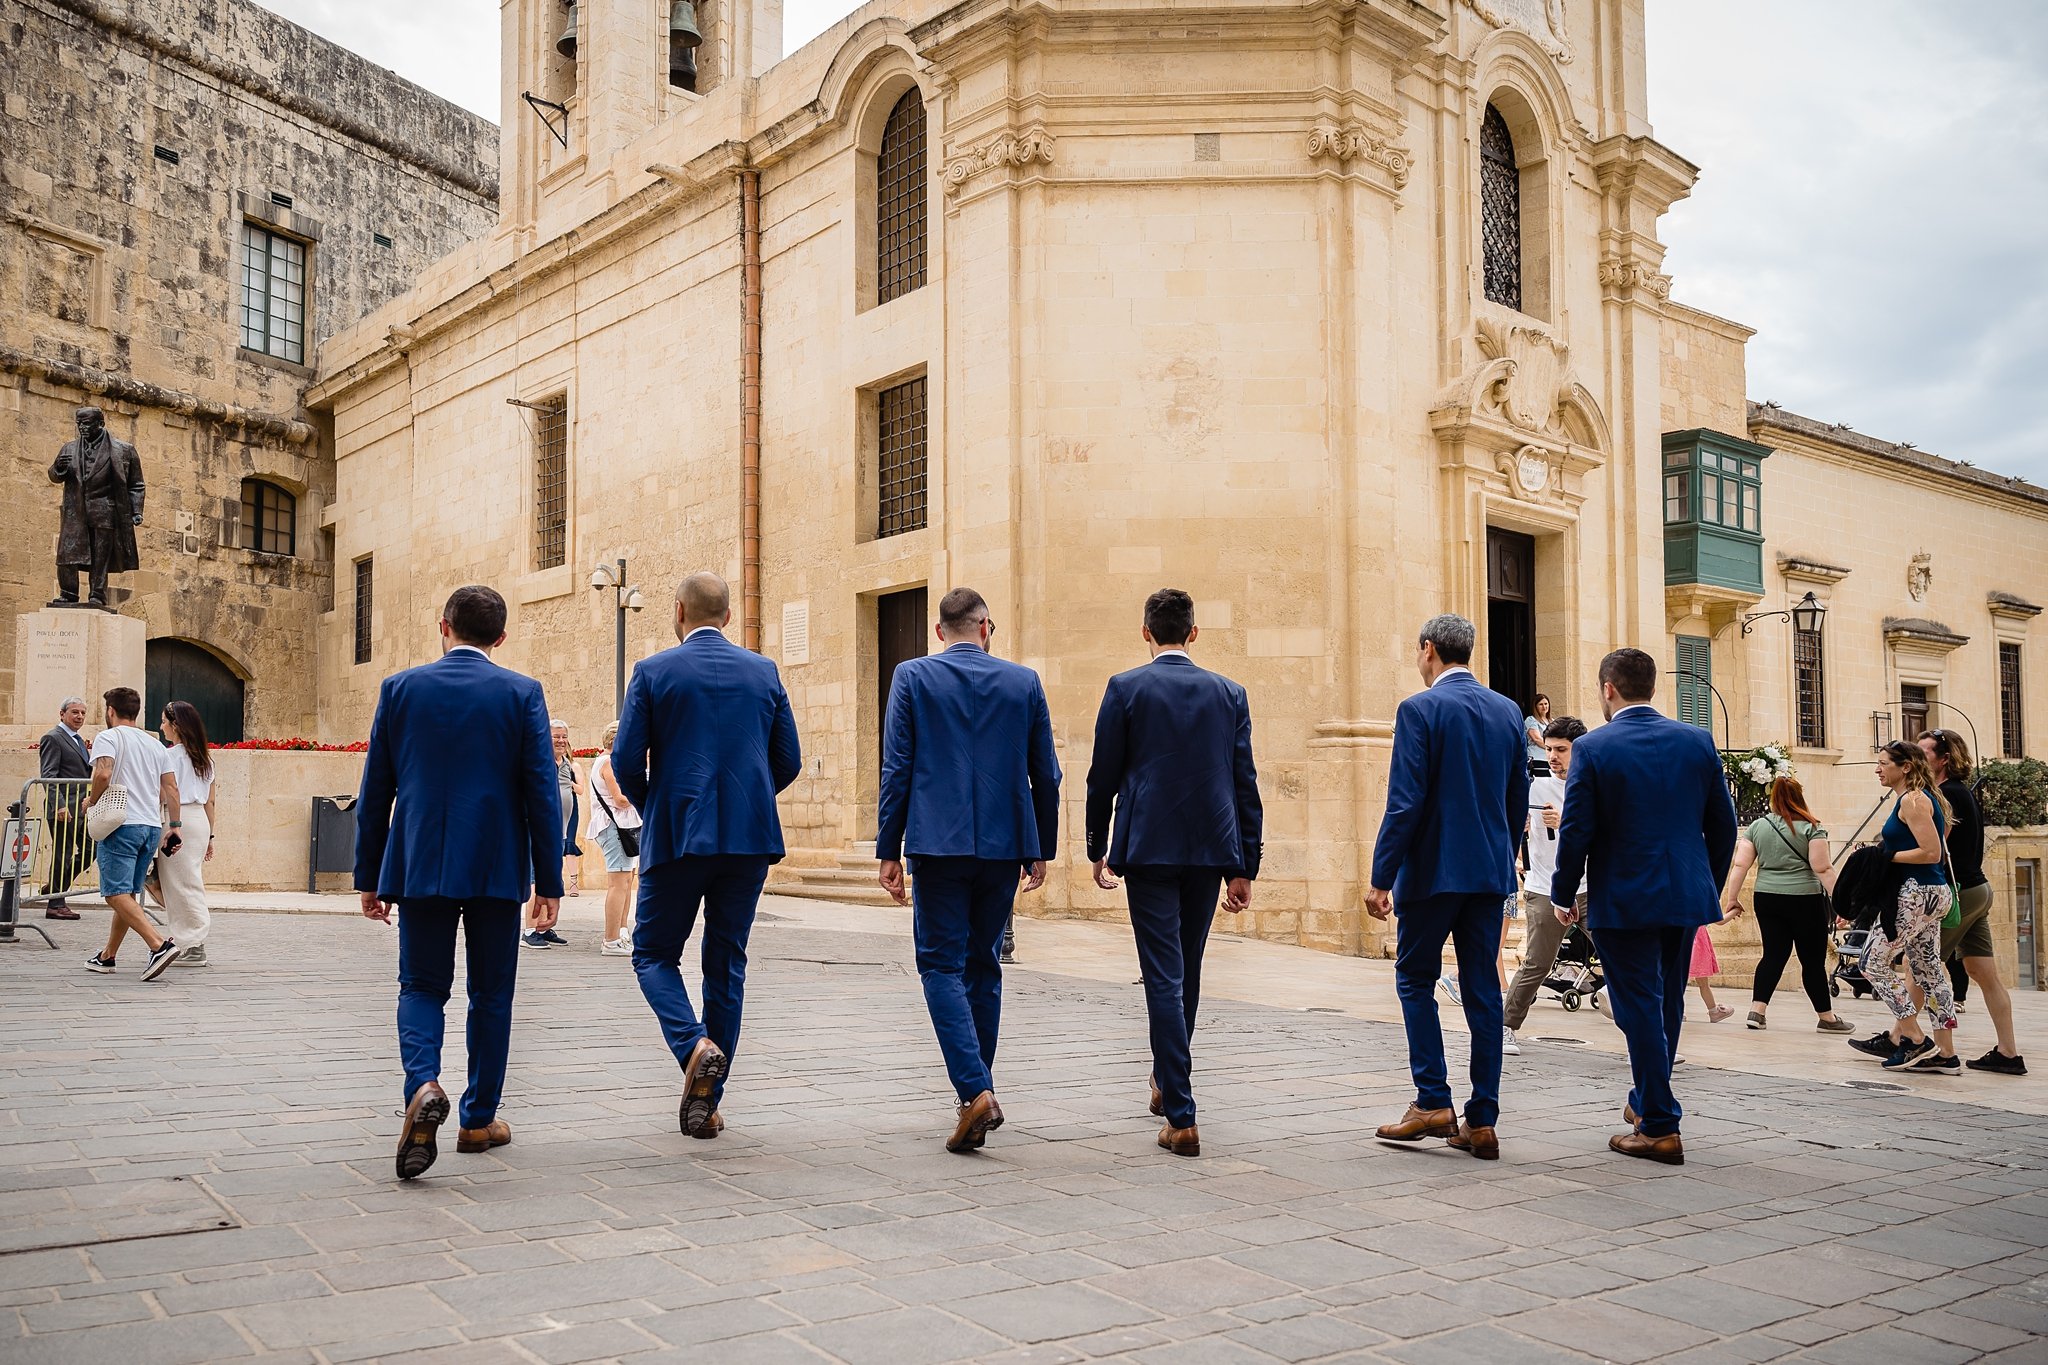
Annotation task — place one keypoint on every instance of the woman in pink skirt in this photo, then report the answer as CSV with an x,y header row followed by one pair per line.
x,y
1704,965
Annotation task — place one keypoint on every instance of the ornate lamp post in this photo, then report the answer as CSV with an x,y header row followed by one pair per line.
x,y
627,599
1806,615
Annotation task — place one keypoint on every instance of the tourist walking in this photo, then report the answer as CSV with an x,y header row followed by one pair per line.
x,y
130,767
1968,941
64,757
181,876
970,794
568,790
1909,928
1542,930
1457,803
459,754
705,742
1173,762
1648,811
615,826
1791,855
1535,726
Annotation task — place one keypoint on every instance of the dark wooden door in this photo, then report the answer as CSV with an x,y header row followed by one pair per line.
x,y
179,670
1511,616
1915,703
901,627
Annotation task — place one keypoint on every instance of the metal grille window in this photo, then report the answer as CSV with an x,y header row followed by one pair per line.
x,y
1809,679
901,463
899,201
269,518
551,485
364,574
1696,681
2011,724
273,293
1500,211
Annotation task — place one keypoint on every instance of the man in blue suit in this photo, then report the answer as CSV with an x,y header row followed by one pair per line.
x,y
970,793
458,817
706,742
1173,759
1457,798
1647,807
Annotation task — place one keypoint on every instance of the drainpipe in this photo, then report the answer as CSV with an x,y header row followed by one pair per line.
x,y
750,407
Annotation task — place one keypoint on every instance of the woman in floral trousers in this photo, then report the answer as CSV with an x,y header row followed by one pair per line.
x,y
1912,928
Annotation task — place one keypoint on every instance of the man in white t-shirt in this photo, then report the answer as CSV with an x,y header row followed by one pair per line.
x,y
1542,932
127,756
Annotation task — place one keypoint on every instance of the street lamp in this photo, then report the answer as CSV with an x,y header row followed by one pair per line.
x,y
1805,615
627,599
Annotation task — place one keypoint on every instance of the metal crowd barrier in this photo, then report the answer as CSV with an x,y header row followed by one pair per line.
x,y
61,857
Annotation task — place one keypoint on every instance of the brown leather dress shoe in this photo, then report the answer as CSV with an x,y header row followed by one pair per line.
x,y
1630,1116
496,1133
60,912
1182,1141
713,1126
1480,1142
702,1075
1418,1124
978,1118
423,1119
1158,1100
1668,1150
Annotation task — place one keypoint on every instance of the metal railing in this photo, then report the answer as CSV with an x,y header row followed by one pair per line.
x,y
61,857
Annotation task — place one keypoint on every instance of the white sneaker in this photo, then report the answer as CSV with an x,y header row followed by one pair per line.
x,y
615,947
1508,1044
1448,984
192,957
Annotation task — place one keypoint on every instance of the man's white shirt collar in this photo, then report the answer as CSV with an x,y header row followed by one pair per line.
x,y
1632,706
700,630
1454,668
452,649
1164,652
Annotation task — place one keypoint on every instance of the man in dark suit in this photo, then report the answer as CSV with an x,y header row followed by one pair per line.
x,y
64,756
460,756
706,741
970,792
1173,759
1647,807
1457,798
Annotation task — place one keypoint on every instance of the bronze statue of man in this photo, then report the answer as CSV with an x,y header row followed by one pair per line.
x,y
103,491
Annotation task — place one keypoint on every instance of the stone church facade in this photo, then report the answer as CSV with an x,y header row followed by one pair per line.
x,y
196,193
1336,315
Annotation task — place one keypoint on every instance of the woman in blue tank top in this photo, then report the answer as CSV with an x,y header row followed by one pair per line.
x,y
1913,836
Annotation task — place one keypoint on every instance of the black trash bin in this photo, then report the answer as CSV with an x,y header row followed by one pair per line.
x,y
334,838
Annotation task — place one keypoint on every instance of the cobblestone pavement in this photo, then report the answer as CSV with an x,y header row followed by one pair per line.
x,y
200,1169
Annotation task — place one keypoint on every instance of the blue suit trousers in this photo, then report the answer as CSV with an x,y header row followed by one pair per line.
x,y
1472,922
959,908
1646,971
426,974
727,887
1171,908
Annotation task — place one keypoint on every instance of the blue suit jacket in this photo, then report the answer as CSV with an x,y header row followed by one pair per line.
x,y
1457,796
1647,806
459,791
1173,757
706,741
968,769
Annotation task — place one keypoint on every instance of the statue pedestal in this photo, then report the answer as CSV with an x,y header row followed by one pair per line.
x,y
64,652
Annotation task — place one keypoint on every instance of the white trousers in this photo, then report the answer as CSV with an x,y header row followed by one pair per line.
x,y
183,879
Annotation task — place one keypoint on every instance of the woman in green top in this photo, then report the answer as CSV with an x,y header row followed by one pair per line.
x,y
1790,852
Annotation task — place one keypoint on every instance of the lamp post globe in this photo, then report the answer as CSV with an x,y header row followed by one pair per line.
x,y
1807,615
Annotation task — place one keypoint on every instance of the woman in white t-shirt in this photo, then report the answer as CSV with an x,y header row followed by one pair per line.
x,y
181,874
613,821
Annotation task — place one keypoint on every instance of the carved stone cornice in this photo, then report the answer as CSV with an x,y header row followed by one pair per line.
x,y
1355,141
1005,149
1805,570
1919,634
84,379
2011,606
1624,278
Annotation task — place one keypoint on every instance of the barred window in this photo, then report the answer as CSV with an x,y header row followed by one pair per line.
x,y
901,447
1500,211
364,574
2011,724
1809,680
551,485
273,293
899,201
270,518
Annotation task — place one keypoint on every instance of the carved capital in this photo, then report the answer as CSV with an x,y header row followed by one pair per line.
x,y
1354,141
1033,144
1628,276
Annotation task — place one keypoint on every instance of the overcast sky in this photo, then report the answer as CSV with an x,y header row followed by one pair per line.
x,y
1873,196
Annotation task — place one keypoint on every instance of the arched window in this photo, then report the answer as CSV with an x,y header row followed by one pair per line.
x,y
1500,211
270,518
899,200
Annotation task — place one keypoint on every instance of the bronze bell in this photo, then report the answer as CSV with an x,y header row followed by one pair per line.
x,y
683,40
566,44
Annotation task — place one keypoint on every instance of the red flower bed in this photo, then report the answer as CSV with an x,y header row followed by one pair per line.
x,y
296,745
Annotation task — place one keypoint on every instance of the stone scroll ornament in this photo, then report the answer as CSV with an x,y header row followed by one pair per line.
x,y
1356,142
1004,149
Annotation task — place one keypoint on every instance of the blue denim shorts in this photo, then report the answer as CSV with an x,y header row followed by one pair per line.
x,y
125,857
616,859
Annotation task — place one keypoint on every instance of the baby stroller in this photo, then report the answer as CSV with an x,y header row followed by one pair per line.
x,y
1575,976
1849,946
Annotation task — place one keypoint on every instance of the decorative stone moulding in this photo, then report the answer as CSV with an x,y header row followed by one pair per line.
x,y
1542,20
1810,570
2011,606
1624,276
1354,141
1920,576
1033,144
1919,633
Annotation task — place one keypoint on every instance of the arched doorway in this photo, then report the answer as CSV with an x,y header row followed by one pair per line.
x,y
182,671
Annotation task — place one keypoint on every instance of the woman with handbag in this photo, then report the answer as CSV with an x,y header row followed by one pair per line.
x,y
616,827
1966,935
1790,852
181,875
1909,928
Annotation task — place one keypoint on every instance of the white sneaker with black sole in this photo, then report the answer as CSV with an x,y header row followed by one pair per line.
x,y
161,959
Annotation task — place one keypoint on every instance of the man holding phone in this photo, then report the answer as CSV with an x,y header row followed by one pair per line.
x,y
1542,931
